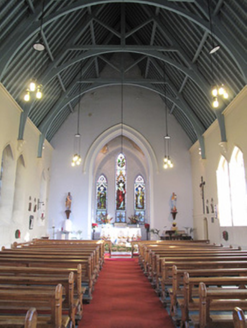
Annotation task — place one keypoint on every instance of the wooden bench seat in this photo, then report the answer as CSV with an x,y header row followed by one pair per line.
x,y
87,278
239,319
178,283
191,303
50,300
219,300
71,304
19,321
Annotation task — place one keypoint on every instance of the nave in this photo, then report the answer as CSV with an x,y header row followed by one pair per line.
x,y
124,298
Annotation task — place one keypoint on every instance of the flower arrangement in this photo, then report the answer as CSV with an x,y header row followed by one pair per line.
x,y
147,226
94,225
134,219
105,218
155,231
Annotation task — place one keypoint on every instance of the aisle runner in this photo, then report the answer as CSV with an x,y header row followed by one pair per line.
x,y
124,298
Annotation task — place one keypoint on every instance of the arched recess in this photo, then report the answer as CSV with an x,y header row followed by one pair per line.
x,y
19,191
42,200
100,142
7,185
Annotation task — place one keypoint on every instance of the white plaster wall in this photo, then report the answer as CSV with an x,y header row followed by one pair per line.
x,y
101,110
236,133
9,125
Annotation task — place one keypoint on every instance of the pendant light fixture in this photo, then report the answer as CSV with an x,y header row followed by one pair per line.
x,y
34,91
217,91
167,139
76,159
122,78
38,45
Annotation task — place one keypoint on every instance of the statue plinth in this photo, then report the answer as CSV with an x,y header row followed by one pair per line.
x,y
174,214
67,212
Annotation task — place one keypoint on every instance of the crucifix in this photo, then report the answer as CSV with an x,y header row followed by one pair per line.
x,y
202,184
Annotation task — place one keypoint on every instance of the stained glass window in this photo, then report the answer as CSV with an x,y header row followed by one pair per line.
x,y
101,197
140,198
121,188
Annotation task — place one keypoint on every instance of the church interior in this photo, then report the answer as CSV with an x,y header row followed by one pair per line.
x,y
121,122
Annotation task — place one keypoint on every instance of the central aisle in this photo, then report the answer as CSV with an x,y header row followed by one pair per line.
x,y
123,298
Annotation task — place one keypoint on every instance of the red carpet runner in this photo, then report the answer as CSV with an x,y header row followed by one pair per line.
x,y
124,298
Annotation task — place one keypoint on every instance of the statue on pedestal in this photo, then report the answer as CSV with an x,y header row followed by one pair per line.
x,y
68,202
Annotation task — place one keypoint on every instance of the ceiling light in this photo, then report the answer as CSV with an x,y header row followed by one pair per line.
x,y
215,102
39,93
27,95
214,49
39,46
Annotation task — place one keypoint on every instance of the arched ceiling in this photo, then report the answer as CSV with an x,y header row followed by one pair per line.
x,y
168,40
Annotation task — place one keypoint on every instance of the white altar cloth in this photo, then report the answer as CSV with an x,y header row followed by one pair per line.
x,y
120,235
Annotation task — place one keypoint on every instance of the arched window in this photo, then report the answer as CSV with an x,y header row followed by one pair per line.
x,y
140,198
1,177
238,188
19,194
7,185
224,199
121,185
101,197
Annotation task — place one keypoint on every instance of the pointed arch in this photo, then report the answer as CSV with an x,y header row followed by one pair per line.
x,y
140,198
19,190
223,188
238,188
7,185
101,197
103,139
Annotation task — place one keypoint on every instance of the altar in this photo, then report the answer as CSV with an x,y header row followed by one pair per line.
x,y
120,235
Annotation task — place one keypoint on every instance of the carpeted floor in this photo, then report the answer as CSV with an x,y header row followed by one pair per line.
x,y
124,298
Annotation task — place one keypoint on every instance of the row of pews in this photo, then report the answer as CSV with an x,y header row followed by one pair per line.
x,y
44,283
204,285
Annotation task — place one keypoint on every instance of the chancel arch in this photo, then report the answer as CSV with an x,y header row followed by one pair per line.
x,y
102,154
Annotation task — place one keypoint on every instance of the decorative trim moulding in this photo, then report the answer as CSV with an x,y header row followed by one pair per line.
x,y
234,104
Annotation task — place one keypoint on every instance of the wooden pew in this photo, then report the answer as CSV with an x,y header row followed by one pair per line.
x,y
61,263
17,321
76,243
239,319
41,282
220,300
70,250
188,265
178,283
191,303
51,301
58,273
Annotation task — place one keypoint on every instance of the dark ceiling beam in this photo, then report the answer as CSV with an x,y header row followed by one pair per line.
x,y
94,42
108,28
116,47
52,71
115,81
137,28
30,5
109,63
151,44
30,27
136,62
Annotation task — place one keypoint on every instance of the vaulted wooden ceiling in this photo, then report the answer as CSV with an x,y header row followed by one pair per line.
x,y
168,40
